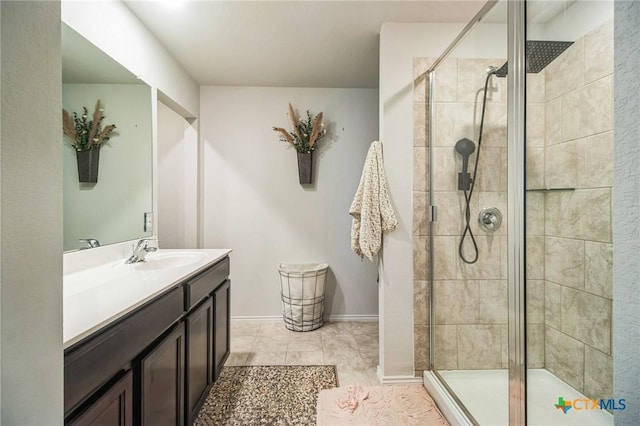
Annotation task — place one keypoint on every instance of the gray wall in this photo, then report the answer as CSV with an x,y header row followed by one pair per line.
x,y
177,179
31,222
254,204
626,208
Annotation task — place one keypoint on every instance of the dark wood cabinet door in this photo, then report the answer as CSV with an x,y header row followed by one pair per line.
x,y
221,299
162,381
113,408
199,327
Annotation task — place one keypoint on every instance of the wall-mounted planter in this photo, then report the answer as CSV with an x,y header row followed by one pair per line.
x,y
305,166
88,165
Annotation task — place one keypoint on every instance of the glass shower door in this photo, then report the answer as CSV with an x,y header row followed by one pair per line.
x,y
468,165
569,159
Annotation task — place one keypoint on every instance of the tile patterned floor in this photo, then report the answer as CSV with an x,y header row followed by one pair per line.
x,y
351,346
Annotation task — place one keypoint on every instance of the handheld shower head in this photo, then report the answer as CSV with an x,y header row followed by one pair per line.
x,y
465,148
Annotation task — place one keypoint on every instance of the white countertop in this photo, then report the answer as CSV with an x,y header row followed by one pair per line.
x,y
96,296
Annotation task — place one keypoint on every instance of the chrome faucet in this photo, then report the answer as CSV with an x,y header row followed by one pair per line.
x,y
91,243
141,250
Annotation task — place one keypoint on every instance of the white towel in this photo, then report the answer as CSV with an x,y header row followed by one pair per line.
x,y
371,208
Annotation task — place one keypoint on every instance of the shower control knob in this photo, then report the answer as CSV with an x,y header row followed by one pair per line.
x,y
490,219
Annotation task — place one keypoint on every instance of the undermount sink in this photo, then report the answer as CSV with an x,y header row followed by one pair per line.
x,y
168,260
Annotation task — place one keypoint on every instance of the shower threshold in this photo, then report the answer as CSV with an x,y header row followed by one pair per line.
x,y
485,395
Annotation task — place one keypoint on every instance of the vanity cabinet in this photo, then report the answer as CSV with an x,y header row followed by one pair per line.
x,y
155,365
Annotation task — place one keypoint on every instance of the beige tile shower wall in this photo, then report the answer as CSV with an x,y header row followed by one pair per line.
x,y
471,300
420,216
577,245
535,226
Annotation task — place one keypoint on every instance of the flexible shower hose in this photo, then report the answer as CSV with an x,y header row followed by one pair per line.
x,y
467,194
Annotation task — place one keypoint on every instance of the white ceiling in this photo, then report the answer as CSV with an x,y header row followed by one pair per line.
x,y
286,43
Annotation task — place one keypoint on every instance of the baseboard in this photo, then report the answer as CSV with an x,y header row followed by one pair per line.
x,y
355,318
445,402
273,318
330,318
397,380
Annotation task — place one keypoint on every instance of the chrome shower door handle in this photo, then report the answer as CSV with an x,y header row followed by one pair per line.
x,y
490,219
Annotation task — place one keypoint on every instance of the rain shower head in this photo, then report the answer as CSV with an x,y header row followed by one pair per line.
x,y
539,54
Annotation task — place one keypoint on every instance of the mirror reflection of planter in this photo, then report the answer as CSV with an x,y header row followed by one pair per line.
x,y
86,135
305,167
88,165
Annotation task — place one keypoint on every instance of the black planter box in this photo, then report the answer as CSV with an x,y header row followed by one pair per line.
x,y
305,166
88,165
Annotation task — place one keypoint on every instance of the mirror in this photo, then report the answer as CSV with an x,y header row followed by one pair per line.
x,y
112,209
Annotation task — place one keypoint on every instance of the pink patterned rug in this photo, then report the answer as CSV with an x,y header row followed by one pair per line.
x,y
378,406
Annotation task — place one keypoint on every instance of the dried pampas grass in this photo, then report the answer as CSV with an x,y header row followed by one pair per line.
x,y
306,133
86,134
285,135
104,134
317,127
68,126
95,123
294,121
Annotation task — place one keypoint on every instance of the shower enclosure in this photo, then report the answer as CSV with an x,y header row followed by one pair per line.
x,y
520,140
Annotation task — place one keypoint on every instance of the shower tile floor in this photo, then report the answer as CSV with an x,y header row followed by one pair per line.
x,y
485,394
351,346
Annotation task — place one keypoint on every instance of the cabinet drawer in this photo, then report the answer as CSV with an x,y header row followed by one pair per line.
x,y
95,360
202,285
